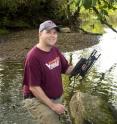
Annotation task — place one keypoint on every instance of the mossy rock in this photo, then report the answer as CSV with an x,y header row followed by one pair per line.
x,y
88,109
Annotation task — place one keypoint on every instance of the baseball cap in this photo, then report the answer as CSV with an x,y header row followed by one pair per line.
x,y
47,25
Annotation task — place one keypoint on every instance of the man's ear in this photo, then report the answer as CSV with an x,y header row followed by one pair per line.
x,y
40,34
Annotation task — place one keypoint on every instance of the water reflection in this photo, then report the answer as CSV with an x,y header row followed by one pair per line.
x,y
108,47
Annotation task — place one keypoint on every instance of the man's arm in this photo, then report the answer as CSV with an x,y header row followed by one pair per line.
x,y
69,70
39,93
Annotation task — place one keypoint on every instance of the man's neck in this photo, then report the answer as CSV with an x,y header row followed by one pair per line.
x,y
43,47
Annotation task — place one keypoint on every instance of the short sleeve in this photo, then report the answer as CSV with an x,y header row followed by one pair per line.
x,y
64,62
32,72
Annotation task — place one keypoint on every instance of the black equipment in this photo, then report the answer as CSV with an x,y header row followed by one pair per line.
x,y
84,65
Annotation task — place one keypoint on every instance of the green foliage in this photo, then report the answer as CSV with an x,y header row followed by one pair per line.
x,y
99,8
3,31
29,13
16,13
102,5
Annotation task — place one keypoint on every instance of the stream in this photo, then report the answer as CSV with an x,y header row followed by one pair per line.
x,y
101,80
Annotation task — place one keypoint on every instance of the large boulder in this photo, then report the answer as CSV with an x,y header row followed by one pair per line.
x,y
88,109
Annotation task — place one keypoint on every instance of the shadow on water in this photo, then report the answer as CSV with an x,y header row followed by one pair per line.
x,y
101,81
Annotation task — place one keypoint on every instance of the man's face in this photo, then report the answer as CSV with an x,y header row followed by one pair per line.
x,y
49,37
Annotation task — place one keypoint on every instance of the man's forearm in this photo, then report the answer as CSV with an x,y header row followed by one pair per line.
x,y
39,93
69,70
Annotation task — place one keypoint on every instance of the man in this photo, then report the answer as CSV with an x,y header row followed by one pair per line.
x,y
42,82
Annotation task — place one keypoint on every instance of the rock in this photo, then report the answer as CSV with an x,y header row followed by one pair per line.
x,y
65,30
88,109
113,108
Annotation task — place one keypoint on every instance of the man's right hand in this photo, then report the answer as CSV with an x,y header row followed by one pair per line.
x,y
39,93
58,108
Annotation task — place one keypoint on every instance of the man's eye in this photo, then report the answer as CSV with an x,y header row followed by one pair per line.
x,y
48,31
55,32
51,32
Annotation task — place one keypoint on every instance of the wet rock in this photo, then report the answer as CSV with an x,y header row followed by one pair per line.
x,y
65,30
88,109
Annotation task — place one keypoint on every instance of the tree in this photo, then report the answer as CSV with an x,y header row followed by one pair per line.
x,y
99,7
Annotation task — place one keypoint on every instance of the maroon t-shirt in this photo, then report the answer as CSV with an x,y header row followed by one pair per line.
x,y
44,69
